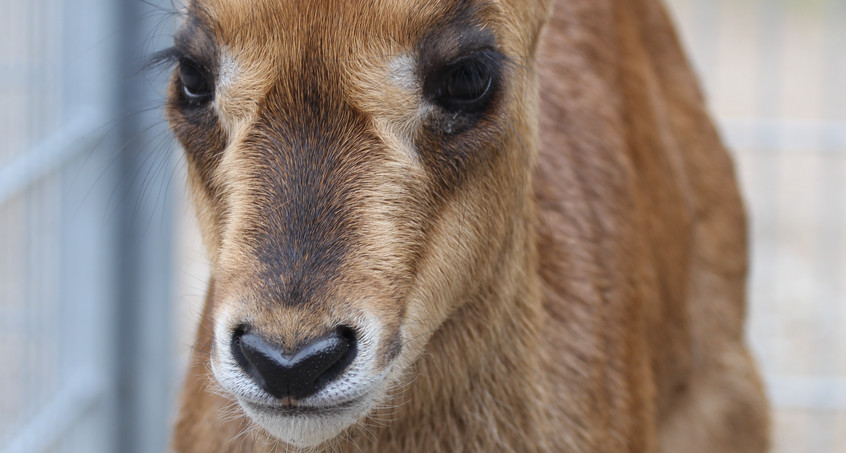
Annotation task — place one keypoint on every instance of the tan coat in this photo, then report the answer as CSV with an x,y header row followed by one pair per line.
x,y
564,274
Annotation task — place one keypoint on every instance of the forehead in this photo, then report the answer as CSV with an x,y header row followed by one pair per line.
x,y
264,29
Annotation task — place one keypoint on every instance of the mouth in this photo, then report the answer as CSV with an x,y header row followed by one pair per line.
x,y
301,410
305,425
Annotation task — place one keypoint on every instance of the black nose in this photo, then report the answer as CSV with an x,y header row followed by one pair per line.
x,y
300,373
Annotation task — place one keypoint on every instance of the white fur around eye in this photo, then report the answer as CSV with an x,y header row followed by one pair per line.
x,y
397,127
231,113
401,72
227,71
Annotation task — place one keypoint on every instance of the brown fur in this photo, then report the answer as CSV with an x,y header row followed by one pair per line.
x,y
573,283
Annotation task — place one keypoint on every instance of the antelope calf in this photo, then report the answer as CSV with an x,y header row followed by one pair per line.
x,y
459,225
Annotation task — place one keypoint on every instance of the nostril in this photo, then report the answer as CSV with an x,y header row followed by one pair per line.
x,y
238,354
345,355
295,374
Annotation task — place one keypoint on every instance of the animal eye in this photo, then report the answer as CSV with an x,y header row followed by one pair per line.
x,y
468,84
195,83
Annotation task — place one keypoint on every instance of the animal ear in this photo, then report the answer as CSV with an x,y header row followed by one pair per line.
x,y
542,6
544,11
530,16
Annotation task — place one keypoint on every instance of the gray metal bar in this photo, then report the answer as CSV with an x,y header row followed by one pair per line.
x,y
145,376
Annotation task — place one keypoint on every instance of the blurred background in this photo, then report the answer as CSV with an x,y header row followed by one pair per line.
x,y
102,272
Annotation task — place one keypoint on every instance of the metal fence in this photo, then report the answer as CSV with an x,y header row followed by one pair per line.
x,y
84,232
775,75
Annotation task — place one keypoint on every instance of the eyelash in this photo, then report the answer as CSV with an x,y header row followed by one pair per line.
x,y
165,58
175,57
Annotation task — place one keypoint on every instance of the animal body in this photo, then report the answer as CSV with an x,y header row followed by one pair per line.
x,y
459,225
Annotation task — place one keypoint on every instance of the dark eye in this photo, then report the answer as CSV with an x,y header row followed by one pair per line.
x,y
468,84
196,85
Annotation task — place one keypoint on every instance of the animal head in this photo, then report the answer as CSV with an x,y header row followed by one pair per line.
x,y
359,169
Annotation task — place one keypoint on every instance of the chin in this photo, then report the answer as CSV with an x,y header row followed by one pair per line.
x,y
307,426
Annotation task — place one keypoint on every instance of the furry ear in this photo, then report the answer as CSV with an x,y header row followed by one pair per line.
x,y
543,7
534,13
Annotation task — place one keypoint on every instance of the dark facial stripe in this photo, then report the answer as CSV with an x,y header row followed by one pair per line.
x,y
305,163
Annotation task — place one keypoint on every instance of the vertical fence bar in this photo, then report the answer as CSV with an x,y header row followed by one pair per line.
x,y
832,219
144,356
706,29
89,233
767,142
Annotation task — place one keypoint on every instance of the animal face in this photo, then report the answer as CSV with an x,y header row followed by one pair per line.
x,y
359,169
